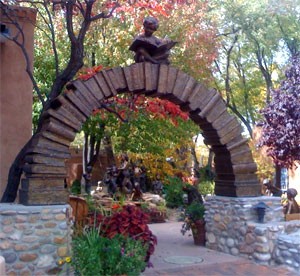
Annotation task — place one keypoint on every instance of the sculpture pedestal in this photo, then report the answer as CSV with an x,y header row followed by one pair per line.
x,y
43,191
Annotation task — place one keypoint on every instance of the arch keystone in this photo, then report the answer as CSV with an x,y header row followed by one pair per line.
x,y
135,77
151,77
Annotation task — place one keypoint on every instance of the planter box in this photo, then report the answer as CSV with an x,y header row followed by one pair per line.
x,y
198,230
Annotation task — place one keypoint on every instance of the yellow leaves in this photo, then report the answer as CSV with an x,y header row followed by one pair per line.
x,y
158,164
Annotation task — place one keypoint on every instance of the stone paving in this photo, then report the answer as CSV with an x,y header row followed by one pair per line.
x,y
177,255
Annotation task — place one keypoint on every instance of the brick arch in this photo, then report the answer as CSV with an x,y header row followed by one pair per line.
x,y
45,170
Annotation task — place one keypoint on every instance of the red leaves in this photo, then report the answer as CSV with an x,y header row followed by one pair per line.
x,y
129,221
153,7
164,108
87,73
158,108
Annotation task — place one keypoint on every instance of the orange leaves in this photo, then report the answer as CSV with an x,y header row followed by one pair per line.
x,y
116,206
87,73
158,108
165,109
151,7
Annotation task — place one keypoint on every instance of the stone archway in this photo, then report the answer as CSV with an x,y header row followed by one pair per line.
x,y
45,167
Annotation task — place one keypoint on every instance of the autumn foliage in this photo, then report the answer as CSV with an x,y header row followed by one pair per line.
x,y
281,127
158,108
130,221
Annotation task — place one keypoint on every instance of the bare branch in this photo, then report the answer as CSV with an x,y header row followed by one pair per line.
x,y
69,20
19,40
103,15
53,38
104,106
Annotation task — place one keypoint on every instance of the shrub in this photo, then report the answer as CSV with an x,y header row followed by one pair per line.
x,y
206,187
97,255
131,222
76,187
174,192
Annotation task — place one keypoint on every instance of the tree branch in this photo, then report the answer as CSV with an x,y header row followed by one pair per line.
x,y
20,42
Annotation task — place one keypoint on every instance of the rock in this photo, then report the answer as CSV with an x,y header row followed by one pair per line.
x,y
45,261
262,257
211,238
262,248
230,242
234,251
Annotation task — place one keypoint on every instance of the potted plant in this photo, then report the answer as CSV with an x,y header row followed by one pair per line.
x,y
194,221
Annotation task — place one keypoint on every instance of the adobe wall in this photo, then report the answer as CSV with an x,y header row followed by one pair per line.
x,y
75,170
15,91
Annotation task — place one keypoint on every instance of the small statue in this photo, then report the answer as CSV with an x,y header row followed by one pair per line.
x,y
292,206
86,181
137,194
126,185
143,179
157,185
270,189
148,47
192,193
111,181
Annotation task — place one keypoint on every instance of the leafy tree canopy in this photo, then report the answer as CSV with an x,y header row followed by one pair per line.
x,y
281,125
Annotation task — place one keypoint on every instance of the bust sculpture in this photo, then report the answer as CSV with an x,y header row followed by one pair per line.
x,y
292,206
148,47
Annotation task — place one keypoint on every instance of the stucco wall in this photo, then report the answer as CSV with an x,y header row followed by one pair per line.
x,y
15,91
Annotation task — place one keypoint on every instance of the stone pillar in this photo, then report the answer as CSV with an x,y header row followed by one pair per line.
x,y
232,227
35,239
15,89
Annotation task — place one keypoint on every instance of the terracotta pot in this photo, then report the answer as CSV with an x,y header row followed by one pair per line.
x,y
198,230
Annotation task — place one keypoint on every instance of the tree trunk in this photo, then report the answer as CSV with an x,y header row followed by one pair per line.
x,y
109,150
196,167
14,175
277,183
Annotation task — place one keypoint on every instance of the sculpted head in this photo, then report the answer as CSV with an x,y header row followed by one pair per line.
x,y
150,25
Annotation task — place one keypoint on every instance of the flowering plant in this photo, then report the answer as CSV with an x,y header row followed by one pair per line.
x,y
192,215
128,221
97,255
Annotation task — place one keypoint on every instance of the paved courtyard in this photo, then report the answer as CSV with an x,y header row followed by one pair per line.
x,y
176,254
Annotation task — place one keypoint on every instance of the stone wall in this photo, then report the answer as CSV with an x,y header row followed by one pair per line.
x,y
33,239
232,227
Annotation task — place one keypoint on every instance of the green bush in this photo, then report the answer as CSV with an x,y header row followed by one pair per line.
x,y
206,187
174,192
195,211
97,255
76,187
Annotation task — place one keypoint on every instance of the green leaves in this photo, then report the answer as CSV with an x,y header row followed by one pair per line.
x,y
97,255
